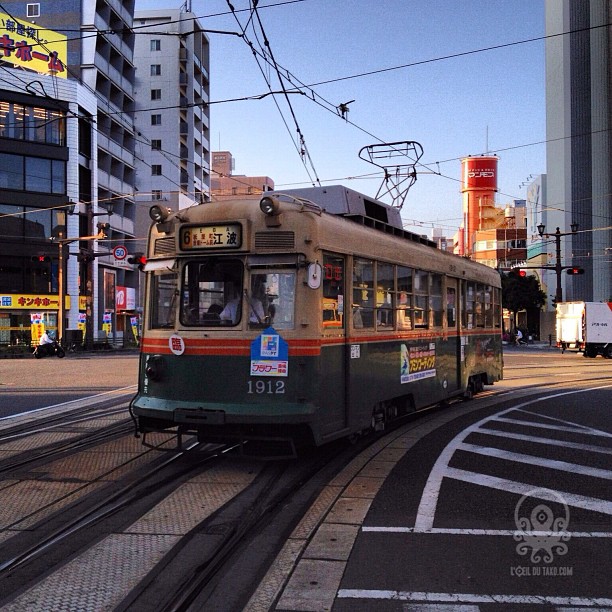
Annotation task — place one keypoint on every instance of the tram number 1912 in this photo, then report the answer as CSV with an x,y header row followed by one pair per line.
x,y
270,387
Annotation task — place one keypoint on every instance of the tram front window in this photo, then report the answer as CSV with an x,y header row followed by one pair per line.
x,y
271,299
164,292
211,290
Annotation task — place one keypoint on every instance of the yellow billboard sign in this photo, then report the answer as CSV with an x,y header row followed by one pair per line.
x,y
26,45
37,301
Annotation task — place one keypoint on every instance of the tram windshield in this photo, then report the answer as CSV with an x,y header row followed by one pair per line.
x,y
215,293
164,292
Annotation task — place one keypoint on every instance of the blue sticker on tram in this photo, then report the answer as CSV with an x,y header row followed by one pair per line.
x,y
269,354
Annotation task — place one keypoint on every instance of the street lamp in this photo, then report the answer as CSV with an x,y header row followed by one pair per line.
x,y
558,268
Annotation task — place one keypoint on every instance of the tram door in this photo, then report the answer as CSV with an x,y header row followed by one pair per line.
x,y
332,389
454,338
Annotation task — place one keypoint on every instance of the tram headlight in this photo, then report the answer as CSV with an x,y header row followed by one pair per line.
x,y
158,213
269,206
154,367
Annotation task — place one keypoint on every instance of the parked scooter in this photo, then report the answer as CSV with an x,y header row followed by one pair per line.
x,y
49,349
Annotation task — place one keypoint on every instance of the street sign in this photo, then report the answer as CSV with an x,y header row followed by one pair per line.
x,y
120,253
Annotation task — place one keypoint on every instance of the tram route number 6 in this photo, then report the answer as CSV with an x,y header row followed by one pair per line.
x,y
269,387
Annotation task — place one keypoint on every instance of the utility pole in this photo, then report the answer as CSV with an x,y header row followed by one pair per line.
x,y
558,268
61,278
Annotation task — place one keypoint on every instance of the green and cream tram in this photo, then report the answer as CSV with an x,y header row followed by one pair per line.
x,y
305,317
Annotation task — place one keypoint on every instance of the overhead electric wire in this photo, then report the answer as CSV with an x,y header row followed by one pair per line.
x,y
360,75
300,146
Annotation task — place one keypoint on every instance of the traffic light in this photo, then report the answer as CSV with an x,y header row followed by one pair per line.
x,y
41,259
572,271
85,256
138,259
103,228
519,272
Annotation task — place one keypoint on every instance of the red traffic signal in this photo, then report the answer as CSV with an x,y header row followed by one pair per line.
x,y
572,271
41,259
138,259
519,272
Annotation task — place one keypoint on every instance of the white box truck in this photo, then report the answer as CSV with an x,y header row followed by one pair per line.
x,y
569,325
586,326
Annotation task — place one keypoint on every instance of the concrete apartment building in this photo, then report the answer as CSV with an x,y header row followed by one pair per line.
x,y
114,169
226,185
172,119
172,92
100,169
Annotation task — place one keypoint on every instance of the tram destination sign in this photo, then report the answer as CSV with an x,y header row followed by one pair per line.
x,y
210,237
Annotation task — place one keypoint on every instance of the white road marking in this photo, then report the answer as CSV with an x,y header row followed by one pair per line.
x,y
429,500
593,504
548,441
563,466
472,598
490,532
575,429
71,403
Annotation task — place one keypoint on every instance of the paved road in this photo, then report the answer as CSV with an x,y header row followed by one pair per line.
x,y
28,384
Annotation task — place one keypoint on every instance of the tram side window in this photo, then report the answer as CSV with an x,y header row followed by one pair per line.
x,y
385,295
211,292
497,309
164,292
404,298
469,308
363,293
332,306
488,306
435,300
421,299
479,306
271,300
451,307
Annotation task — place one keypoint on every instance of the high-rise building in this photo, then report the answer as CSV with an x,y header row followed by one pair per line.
x,y
48,150
579,143
100,44
171,55
129,137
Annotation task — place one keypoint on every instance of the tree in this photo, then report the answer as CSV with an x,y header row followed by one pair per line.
x,y
521,293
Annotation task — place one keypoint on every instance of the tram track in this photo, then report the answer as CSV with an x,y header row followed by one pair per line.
x,y
222,556
26,445
32,553
121,498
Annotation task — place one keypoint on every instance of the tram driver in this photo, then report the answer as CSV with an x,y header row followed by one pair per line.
x,y
231,312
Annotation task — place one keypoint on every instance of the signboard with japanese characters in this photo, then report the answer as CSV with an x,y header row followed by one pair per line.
x,y
37,326
28,46
26,301
210,237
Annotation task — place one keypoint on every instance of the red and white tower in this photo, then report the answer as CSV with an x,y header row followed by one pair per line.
x,y
478,186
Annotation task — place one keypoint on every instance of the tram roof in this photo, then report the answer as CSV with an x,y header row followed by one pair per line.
x,y
345,202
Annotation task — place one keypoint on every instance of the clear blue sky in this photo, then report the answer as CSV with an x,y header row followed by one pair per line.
x,y
453,107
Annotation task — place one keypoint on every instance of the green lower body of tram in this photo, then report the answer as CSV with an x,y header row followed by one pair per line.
x,y
345,390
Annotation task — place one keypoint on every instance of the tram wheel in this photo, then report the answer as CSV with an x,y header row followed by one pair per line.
x,y
468,394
